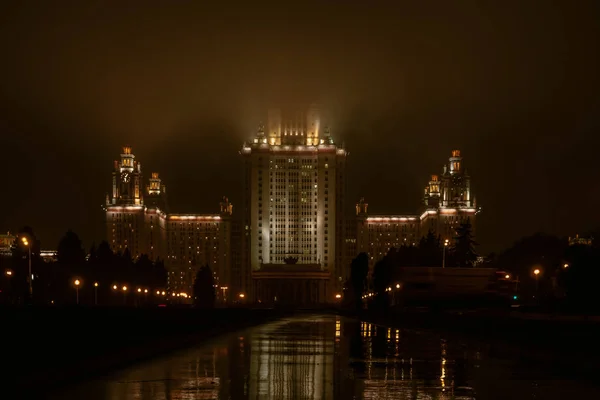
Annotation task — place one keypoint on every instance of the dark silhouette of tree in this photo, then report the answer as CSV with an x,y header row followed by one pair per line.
x,y
542,251
204,288
382,278
359,269
143,271
159,274
70,265
430,251
464,246
580,279
70,251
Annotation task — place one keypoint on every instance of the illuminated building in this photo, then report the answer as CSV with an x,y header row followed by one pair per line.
x,y
6,242
447,203
139,220
293,209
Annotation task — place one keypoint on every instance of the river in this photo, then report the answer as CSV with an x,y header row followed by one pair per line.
x,y
329,357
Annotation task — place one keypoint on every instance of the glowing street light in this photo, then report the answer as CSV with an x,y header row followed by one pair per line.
x,y
566,266
446,243
29,277
8,272
95,293
507,276
139,290
338,296
397,286
77,282
536,273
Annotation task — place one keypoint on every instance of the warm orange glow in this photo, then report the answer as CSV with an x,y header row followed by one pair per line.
x,y
455,153
507,276
114,287
77,282
8,272
124,288
566,266
338,296
155,175
397,286
139,290
163,293
127,150
242,295
95,284
536,271
145,290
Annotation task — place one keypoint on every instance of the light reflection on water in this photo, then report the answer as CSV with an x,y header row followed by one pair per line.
x,y
327,357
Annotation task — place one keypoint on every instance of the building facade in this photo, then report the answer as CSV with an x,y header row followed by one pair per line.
x,y
138,221
447,203
294,198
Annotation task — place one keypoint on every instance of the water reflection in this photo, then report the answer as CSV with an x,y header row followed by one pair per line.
x,y
320,357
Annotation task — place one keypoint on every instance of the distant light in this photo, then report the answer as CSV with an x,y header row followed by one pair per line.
x,y
515,297
114,287
77,282
338,296
397,286
96,284
507,276
124,288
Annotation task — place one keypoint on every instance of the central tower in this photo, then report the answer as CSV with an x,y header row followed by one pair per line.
x,y
293,208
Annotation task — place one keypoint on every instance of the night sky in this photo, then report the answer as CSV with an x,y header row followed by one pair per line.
x,y
513,84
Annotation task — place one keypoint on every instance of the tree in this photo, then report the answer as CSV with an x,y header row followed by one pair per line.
x,y
382,278
70,251
204,288
430,250
464,247
359,269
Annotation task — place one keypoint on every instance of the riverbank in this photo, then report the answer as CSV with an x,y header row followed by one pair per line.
x,y
44,349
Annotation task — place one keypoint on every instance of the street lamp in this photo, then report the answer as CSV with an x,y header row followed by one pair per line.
x,y
8,272
95,293
397,286
77,283
566,266
446,242
27,244
536,273
124,288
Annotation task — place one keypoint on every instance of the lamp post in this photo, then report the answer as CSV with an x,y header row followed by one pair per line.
x,y
446,242
29,280
77,283
95,293
124,294
536,273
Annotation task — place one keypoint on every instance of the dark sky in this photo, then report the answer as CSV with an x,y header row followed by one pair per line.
x,y
513,84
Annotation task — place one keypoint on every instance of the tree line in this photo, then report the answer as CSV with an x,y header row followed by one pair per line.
x,y
96,271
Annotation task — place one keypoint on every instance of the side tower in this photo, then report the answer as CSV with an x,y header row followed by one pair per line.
x,y
124,208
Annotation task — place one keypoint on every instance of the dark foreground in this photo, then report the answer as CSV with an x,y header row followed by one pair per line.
x,y
45,348
332,357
